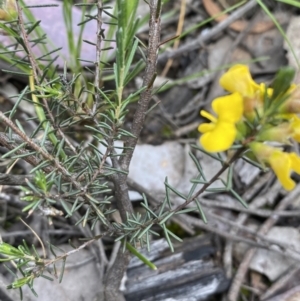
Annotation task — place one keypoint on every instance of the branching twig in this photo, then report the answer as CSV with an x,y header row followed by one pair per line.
x,y
36,71
36,147
65,255
56,164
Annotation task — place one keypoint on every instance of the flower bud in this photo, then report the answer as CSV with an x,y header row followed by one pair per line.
x,y
8,11
261,151
7,249
280,133
292,104
21,282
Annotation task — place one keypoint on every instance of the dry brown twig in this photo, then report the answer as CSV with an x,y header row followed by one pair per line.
x,y
263,230
202,39
178,33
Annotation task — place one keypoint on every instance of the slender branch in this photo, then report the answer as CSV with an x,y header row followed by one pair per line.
x,y
149,77
55,162
36,72
193,197
115,274
109,151
262,242
34,146
250,211
98,55
33,160
261,239
16,140
65,255
120,181
225,166
35,68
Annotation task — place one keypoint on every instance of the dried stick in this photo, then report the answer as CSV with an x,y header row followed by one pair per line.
x,y
250,211
178,32
196,44
257,202
264,242
282,283
263,230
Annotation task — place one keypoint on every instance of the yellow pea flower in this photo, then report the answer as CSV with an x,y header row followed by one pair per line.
x,y
295,126
220,134
281,163
238,79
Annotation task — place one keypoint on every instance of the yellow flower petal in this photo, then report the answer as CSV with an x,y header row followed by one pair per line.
x,y
295,125
282,164
220,134
208,116
238,79
262,90
206,127
220,138
229,108
295,162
